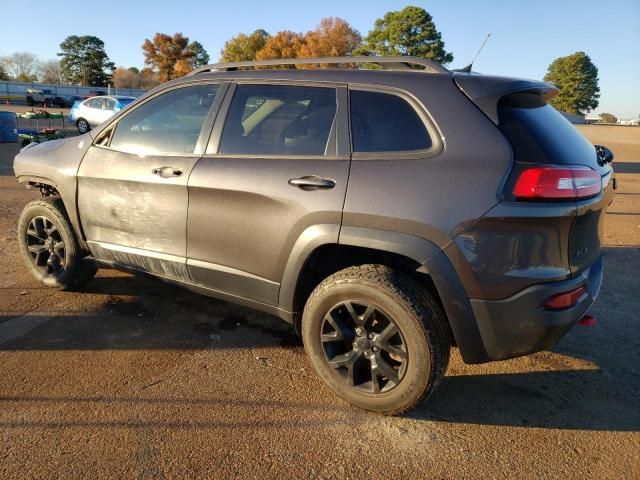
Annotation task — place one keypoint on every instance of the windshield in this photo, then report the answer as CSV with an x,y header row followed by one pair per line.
x,y
125,101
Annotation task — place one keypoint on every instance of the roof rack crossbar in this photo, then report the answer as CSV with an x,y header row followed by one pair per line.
x,y
388,63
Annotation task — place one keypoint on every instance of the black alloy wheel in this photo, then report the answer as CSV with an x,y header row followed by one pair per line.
x,y
46,246
364,346
50,247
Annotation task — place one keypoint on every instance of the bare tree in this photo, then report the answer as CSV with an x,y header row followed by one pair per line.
x,y
51,72
21,66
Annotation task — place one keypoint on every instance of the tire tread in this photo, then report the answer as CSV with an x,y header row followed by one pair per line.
x,y
416,298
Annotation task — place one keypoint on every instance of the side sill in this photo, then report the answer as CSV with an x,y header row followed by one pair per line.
x,y
202,290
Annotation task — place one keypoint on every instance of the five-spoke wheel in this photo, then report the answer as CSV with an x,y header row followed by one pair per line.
x,y
364,345
376,337
45,245
49,246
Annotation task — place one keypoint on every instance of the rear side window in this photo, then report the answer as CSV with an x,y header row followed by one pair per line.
x,y
540,134
279,120
167,124
94,103
383,122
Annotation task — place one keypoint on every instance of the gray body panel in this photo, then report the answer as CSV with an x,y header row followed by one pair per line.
x,y
122,203
244,215
55,163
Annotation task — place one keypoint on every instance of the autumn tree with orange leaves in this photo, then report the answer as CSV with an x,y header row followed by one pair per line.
x,y
172,56
285,44
334,37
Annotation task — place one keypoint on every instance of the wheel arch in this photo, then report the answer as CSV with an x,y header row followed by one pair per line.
x,y
50,188
325,249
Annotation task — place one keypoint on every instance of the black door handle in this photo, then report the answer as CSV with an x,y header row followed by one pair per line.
x,y
166,172
312,182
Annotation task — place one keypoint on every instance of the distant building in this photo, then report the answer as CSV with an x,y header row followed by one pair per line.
x,y
629,121
592,118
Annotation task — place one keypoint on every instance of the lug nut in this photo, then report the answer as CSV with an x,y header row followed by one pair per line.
x,y
358,332
375,349
371,336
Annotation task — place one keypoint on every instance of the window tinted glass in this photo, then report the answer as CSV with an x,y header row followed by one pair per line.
x,y
279,120
170,123
382,122
94,103
109,104
540,134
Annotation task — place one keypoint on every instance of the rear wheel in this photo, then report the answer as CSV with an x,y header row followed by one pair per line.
x,y
82,125
376,338
49,246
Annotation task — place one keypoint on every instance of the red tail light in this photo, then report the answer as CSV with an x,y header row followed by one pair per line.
x,y
564,300
557,183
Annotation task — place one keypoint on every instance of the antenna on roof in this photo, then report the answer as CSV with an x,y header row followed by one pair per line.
x,y
468,67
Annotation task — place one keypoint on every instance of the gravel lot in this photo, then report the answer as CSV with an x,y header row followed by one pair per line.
x,y
136,378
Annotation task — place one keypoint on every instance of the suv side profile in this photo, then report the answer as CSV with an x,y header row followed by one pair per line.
x,y
388,214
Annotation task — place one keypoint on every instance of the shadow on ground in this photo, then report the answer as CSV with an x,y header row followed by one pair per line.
x,y
139,313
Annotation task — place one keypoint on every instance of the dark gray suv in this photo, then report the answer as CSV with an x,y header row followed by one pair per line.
x,y
388,213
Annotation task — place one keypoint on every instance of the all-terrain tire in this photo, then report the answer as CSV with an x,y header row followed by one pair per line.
x,y
414,311
71,269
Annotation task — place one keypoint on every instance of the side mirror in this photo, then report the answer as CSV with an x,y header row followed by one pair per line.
x,y
604,154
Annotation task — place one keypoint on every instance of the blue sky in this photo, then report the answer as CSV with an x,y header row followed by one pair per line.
x,y
525,35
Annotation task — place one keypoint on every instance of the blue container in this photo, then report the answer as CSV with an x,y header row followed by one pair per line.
x,y
8,127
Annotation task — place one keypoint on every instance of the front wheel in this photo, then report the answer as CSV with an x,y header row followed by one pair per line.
x,y
49,246
83,126
376,338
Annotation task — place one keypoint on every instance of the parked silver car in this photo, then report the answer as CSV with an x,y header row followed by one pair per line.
x,y
93,111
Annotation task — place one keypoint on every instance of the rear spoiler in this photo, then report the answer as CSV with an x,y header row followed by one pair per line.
x,y
487,90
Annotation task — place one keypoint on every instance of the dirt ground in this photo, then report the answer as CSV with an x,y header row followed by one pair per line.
x,y
136,378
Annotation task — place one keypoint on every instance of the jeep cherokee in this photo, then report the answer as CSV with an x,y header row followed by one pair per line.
x,y
388,214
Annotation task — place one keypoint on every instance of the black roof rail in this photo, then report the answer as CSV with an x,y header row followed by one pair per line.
x,y
387,63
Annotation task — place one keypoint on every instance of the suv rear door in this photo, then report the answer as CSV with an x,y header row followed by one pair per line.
x,y
132,182
275,168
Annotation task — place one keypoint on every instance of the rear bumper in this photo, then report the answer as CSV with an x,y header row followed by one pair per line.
x,y
519,325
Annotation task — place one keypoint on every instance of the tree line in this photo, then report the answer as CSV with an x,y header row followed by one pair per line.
x,y
410,31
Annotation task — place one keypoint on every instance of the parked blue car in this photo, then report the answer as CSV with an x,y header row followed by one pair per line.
x,y
91,112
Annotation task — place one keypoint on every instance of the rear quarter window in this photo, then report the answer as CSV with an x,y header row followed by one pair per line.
x,y
540,134
385,122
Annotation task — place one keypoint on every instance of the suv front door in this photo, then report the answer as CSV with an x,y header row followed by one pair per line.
x,y
132,183
275,171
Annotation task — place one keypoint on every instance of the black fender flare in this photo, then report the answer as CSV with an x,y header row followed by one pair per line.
x,y
431,258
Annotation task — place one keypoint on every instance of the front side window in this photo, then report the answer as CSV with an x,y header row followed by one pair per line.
x,y
109,104
384,122
279,120
168,124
